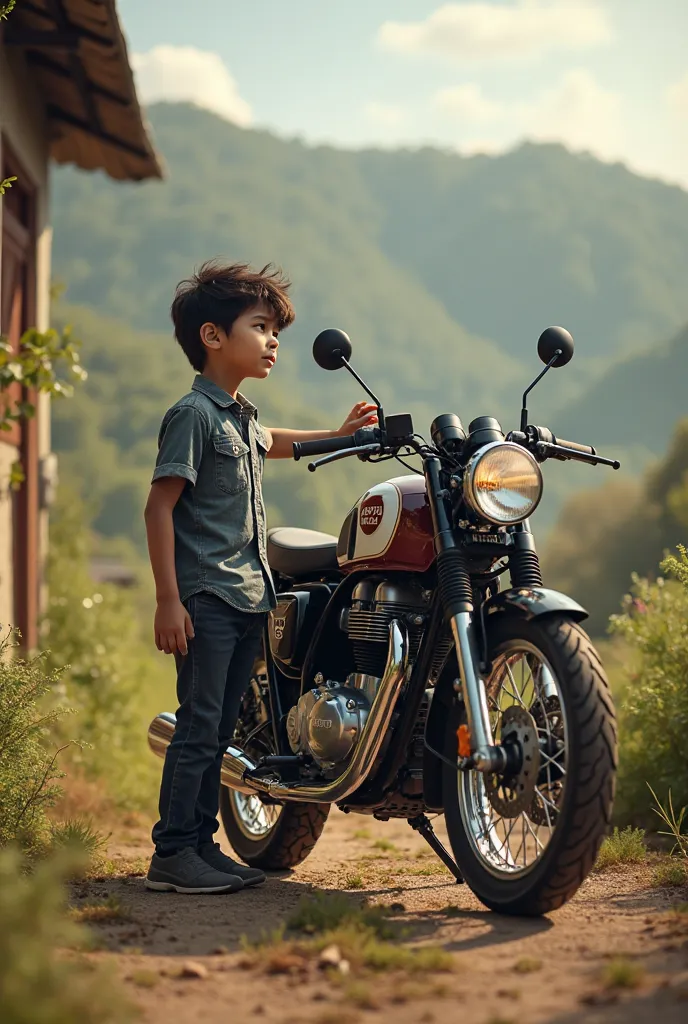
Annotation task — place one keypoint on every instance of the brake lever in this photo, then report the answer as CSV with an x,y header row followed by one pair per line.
x,y
364,449
547,450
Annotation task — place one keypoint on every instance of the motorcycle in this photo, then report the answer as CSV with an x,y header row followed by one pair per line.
x,y
399,680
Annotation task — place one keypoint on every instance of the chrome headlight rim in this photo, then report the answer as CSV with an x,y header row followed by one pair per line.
x,y
469,493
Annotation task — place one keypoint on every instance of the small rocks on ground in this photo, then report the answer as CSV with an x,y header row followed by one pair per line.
x,y
192,969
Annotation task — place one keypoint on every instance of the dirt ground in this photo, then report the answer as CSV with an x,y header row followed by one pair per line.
x,y
504,969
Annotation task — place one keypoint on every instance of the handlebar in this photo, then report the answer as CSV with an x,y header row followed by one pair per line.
x,y
573,446
303,449
545,445
363,436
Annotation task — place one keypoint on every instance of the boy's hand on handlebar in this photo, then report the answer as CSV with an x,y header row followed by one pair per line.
x,y
363,414
172,626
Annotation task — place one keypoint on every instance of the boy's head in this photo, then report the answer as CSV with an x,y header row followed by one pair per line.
x,y
230,317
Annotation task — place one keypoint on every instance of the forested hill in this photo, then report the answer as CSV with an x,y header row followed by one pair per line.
x,y
443,269
637,401
406,249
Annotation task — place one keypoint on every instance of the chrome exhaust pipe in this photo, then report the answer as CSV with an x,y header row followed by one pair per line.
x,y
236,764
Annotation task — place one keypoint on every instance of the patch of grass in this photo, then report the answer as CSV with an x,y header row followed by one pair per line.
x,y
360,994
673,820
324,912
362,833
78,834
408,992
353,882
98,913
423,854
623,846
622,973
670,873
429,869
144,978
384,844
527,965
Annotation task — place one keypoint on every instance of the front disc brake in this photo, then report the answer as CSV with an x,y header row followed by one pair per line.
x,y
512,793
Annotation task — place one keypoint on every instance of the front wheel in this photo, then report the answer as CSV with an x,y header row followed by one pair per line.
x,y
526,840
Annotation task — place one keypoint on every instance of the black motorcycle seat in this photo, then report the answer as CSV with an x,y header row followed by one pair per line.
x,y
296,552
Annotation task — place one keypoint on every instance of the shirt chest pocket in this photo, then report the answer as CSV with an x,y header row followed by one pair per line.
x,y
232,471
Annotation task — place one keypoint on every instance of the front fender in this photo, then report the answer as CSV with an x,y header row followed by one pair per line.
x,y
533,603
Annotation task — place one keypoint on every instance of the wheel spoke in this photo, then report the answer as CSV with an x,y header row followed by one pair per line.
x,y
508,845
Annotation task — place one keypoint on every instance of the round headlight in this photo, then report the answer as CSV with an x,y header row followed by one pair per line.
x,y
503,483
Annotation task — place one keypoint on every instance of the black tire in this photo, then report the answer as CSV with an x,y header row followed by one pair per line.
x,y
586,807
289,842
299,825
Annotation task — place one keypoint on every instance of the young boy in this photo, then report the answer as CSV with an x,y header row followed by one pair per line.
x,y
205,521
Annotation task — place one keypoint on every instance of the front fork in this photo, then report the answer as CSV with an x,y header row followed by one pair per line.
x,y
456,594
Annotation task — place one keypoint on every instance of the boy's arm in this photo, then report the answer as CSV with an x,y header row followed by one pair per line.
x,y
172,621
183,436
363,414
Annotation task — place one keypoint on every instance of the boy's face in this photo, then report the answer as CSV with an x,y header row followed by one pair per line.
x,y
250,349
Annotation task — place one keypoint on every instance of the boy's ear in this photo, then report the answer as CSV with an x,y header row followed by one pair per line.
x,y
210,335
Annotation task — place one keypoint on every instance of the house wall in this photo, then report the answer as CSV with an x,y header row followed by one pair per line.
x,y
23,128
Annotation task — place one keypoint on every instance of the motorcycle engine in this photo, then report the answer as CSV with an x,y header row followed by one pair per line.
x,y
328,720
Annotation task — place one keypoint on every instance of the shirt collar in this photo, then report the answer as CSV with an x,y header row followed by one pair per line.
x,y
222,398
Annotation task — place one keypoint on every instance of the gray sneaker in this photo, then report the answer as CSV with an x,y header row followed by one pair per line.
x,y
213,855
187,872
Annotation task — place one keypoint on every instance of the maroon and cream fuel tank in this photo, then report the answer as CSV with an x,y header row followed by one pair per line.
x,y
389,527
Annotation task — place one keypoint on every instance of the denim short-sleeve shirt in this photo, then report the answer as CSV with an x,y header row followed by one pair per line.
x,y
216,444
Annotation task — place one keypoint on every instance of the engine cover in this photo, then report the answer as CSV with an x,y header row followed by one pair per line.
x,y
327,722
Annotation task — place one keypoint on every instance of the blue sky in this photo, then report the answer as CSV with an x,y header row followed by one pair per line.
x,y
609,76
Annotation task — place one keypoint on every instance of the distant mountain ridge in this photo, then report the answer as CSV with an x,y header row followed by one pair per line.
x,y
637,401
480,247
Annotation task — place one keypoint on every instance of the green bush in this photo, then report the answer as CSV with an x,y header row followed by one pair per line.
x,y
38,985
654,711
28,766
110,675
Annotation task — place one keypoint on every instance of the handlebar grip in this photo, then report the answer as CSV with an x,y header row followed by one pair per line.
x,y
584,449
324,446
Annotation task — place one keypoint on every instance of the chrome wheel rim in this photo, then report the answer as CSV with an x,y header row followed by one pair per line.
x,y
508,847
254,818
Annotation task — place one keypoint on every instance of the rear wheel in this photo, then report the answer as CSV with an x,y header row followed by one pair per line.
x,y
266,834
525,841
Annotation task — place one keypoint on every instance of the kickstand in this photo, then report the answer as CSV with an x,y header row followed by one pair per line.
x,y
421,823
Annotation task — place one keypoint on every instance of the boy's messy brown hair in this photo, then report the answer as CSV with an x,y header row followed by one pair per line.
x,y
218,294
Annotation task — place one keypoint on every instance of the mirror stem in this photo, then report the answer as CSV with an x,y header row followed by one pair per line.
x,y
380,414
524,411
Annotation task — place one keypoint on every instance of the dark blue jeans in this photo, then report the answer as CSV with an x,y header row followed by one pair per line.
x,y
211,681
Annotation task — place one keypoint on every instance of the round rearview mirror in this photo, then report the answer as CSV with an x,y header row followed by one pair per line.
x,y
329,348
552,339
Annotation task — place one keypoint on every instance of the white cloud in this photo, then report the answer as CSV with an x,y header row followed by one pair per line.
x,y
387,114
484,31
467,102
579,112
184,73
677,96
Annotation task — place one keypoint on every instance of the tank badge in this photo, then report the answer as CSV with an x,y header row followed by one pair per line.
x,y
371,513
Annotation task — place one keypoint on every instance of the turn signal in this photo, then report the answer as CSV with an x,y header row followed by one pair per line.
x,y
464,741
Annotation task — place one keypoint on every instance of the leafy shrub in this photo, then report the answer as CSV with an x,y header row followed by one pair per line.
x,y
28,767
654,712
38,985
108,672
